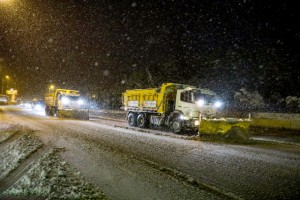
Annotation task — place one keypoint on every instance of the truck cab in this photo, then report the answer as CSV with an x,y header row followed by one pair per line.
x,y
67,103
194,103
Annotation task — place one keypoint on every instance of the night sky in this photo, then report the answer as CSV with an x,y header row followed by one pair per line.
x,y
116,45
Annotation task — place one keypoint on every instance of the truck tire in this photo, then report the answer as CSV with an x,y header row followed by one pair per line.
x,y
142,121
51,112
85,116
132,119
177,125
47,111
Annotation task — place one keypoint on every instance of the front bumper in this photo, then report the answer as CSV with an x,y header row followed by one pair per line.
x,y
74,113
192,124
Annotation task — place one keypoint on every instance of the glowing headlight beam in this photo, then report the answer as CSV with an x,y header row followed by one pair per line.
x,y
201,102
65,100
80,102
218,104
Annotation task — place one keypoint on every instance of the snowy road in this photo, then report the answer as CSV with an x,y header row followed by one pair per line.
x,y
130,164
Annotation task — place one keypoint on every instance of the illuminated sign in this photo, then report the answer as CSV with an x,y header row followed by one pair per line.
x,y
12,92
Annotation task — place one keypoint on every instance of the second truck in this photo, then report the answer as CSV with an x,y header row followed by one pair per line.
x,y
66,103
176,106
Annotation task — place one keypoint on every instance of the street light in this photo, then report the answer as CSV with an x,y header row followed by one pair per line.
x,y
51,88
6,2
6,77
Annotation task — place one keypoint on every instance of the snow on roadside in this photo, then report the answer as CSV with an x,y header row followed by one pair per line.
x,y
4,125
53,178
4,135
16,151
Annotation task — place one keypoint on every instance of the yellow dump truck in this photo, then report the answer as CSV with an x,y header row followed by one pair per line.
x,y
176,106
66,103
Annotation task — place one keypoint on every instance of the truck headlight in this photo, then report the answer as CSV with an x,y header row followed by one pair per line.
x,y
65,100
27,105
182,117
200,102
218,104
38,107
80,102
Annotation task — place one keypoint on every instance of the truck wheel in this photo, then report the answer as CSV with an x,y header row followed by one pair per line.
x,y
47,111
85,116
142,121
177,125
51,112
132,119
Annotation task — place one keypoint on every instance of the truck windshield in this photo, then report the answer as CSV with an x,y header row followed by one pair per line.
x,y
73,98
192,96
207,97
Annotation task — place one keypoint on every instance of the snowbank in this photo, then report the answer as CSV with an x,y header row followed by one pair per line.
x,y
53,178
17,151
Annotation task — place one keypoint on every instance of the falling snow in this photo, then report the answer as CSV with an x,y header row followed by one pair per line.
x,y
94,46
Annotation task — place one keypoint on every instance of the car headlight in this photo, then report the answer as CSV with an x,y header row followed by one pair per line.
x,y
218,104
65,100
200,102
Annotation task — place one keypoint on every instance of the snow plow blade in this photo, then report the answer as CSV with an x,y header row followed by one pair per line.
x,y
224,126
75,114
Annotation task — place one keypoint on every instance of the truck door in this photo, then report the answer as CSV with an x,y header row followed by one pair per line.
x,y
185,103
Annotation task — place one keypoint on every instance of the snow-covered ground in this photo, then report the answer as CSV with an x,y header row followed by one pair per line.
x,y
50,177
5,134
53,178
17,151
129,163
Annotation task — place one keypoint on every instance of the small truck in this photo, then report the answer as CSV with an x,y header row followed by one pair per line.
x,y
66,103
176,106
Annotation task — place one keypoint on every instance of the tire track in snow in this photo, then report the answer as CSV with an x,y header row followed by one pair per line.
x,y
22,169
15,135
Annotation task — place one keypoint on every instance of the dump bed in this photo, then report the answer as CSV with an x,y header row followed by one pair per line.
x,y
142,99
149,100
